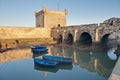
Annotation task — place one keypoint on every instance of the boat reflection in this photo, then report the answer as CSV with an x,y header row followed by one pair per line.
x,y
38,67
98,62
65,67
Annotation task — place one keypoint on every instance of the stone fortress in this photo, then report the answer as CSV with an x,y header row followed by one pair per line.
x,y
49,18
52,24
45,21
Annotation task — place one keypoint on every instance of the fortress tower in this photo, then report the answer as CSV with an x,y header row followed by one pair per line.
x,y
50,18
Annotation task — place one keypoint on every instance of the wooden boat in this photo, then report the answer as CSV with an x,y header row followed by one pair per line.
x,y
38,49
45,63
61,60
34,51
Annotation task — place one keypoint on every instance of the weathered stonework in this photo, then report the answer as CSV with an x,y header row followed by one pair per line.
x,y
52,24
50,18
23,32
110,28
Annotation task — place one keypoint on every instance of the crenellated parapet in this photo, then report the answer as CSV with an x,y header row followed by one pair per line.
x,y
50,18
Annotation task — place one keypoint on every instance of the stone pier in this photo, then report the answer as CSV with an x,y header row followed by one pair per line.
x,y
116,71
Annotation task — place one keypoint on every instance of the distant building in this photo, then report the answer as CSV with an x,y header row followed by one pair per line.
x,y
50,18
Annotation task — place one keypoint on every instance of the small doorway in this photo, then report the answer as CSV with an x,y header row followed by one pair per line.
x,y
58,25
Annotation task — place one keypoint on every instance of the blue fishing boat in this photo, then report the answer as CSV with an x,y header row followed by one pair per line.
x,y
35,51
61,60
45,63
38,49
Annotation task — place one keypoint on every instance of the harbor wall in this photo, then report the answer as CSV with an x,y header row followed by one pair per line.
x,y
7,32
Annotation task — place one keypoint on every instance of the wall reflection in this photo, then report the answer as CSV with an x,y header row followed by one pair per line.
x,y
15,55
92,61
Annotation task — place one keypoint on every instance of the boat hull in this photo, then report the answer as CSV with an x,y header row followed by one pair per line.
x,y
61,60
38,49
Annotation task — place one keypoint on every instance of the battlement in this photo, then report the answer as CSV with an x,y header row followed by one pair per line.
x,y
50,18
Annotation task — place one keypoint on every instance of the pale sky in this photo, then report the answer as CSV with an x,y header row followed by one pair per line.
x,y
21,12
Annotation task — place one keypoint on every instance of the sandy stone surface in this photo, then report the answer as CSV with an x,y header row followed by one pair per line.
x,y
116,71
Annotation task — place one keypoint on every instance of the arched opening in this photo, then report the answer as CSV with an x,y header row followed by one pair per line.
x,y
69,39
59,40
58,25
17,41
105,39
85,39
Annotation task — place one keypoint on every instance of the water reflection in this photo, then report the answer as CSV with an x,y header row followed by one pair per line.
x,y
16,54
111,55
96,62
92,61
61,51
38,67
53,70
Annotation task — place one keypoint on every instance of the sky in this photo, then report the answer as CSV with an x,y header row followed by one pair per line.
x,y
21,12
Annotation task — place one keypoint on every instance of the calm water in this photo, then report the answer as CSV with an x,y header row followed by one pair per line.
x,y
87,65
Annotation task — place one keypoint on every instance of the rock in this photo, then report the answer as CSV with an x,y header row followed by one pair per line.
x,y
117,52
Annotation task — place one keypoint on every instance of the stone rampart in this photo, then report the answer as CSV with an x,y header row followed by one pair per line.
x,y
23,32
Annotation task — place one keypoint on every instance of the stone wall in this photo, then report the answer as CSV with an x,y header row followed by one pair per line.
x,y
54,18
39,19
75,30
23,32
50,18
110,27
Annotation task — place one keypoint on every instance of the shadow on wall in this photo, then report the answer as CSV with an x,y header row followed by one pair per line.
x,y
69,39
85,40
105,39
